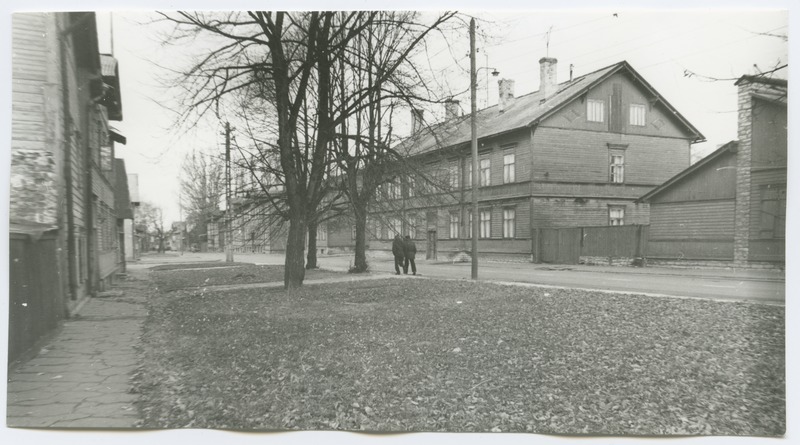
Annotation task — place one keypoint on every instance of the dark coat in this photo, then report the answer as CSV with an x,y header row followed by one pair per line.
x,y
409,248
397,247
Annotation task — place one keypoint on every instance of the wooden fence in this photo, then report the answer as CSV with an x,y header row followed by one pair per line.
x,y
570,245
36,303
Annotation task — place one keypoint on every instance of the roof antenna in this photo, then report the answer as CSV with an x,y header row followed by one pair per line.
x,y
547,39
111,31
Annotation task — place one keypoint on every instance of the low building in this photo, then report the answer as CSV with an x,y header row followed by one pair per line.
x,y
730,207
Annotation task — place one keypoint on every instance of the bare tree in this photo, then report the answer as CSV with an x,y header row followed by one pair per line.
x,y
202,188
281,53
152,218
379,75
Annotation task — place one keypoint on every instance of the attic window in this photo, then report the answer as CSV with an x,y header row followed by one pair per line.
x,y
637,115
594,110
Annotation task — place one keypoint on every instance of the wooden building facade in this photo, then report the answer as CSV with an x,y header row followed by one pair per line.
x,y
63,225
730,207
576,153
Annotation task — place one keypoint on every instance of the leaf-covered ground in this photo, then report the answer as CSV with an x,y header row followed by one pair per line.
x,y
427,355
199,275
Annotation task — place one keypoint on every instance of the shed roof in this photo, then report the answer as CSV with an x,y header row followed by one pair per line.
x,y
526,111
730,147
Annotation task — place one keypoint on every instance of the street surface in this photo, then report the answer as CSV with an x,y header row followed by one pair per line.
x,y
764,286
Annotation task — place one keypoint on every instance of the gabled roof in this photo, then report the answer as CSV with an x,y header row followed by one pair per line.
x,y
730,147
527,111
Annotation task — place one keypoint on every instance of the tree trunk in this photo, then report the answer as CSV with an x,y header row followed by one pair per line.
x,y
361,238
294,272
311,258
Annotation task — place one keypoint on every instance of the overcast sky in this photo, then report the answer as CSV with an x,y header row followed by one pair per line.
x,y
664,46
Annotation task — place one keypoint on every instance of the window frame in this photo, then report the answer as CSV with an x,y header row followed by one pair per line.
x,y
455,221
485,172
616,171
485,227
633,116
509,224
452,173
509,168
612,218
594,106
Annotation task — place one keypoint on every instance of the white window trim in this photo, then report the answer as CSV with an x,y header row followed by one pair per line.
x,y
617,170
509,168
455,220
485,226
633,115
599,107
509,224
485,175
612,218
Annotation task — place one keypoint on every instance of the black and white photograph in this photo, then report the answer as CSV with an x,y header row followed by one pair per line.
x,y
504,224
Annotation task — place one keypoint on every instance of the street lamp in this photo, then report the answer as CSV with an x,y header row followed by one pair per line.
x,y
494,73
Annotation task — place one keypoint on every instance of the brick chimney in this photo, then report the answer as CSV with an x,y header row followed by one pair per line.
x,y
416,120
548,84
451,109
505,88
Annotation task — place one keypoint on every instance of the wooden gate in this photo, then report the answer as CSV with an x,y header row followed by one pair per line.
x,y
560,246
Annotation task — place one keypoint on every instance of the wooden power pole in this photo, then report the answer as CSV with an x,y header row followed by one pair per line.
x,y
228,210
473,82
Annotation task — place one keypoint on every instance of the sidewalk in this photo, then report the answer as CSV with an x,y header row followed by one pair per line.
x,y
81,376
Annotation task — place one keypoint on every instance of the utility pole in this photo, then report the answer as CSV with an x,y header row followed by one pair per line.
x,y
180,218
473,83
228,213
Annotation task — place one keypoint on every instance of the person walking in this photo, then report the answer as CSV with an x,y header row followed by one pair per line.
x,y
397,250
409,251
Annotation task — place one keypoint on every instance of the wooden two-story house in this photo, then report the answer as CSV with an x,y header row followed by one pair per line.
x,y
63,213
575,153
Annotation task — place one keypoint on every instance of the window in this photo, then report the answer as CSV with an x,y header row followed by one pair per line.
x,y
322,233
452,176
353,233
486,173
395,192
509,218
617,169
411,229
486,224
637,115
469,235
412,185
395,227
594,110
508,168
468,176
616,216
773,211
454,221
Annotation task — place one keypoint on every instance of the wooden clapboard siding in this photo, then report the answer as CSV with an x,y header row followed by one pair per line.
x,y
564,155
692,220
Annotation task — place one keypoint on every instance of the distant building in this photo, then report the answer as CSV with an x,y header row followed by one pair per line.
x,y
64,233
730,207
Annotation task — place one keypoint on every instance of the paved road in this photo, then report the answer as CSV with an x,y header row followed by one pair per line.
x,y
722,284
